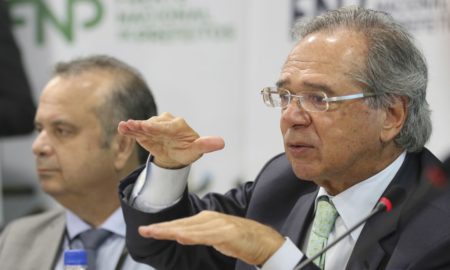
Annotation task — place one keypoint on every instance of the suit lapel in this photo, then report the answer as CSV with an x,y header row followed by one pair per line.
x,y
47,244
378,237
296,225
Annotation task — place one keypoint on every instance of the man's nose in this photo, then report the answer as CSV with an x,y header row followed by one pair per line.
x,y
295,114
41,145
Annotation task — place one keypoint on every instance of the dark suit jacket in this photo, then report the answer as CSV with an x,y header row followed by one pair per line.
x,y
17,106
414,235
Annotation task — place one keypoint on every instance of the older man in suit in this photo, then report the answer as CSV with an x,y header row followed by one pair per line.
x,y
354,120
80,159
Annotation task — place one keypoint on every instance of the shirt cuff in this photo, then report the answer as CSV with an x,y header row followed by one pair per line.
x,y
157,188
286,257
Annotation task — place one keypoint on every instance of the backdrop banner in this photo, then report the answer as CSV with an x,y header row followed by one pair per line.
x,y
206,61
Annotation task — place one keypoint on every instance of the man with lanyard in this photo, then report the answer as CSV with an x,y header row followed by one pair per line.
x,y
80,159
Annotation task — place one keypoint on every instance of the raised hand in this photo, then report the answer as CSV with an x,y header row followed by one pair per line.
x,y
171,141
245,239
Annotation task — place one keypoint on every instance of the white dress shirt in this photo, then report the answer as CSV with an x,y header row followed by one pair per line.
x,y
110,251
352,205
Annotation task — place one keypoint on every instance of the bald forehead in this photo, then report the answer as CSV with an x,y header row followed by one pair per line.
x,y
86,91
340,50
320,56
348,45
94,83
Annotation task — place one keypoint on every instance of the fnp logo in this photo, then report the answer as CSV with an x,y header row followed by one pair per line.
x,y
65,21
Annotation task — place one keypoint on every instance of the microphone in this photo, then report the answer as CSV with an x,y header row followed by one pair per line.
x,y
393,197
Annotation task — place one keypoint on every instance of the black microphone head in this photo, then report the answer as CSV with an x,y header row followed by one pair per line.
x,y
394,196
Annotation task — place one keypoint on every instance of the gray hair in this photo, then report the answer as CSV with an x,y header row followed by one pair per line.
x,y
394,66
129,98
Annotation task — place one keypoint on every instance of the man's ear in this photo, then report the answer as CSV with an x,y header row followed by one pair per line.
x,y
395,118
125,149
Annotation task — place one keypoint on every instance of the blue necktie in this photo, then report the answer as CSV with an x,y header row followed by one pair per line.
x,y
92,239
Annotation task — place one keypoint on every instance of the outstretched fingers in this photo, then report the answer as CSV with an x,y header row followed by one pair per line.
x,y
233,236
199,229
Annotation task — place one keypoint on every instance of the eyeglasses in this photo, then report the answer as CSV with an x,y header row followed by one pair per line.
x,y
316,101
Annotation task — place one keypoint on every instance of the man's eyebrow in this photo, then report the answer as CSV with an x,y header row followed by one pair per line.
x,y
63,123
55,123
280,83
317,86
59,122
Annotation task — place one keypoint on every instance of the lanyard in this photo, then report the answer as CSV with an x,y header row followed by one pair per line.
x,y
65,236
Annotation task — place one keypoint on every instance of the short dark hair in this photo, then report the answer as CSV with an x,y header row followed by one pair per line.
x,y
130,98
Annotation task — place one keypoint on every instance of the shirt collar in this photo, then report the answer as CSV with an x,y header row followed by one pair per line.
x,y
358,201
115,224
